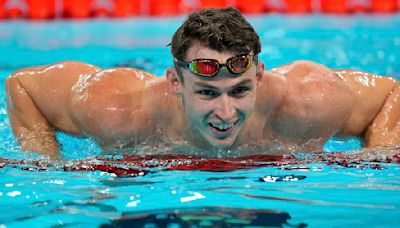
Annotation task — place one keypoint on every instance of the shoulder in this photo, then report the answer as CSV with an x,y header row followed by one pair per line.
x,y
63,67
306,78
118,78
302,69
111,102
310,81
108,84
58,75
313,95
109,87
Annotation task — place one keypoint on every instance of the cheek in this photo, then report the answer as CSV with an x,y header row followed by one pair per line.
x,y
247,104
201,107
195,108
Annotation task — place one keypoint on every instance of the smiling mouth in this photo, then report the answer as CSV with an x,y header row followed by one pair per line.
x,y
223,127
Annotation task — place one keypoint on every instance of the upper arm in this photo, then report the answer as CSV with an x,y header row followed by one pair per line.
x,y
385,128
112,104
370,92
22,110
41,95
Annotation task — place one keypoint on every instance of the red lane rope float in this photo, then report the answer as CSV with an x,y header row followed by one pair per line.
x,y
384,6
359,7
335,6
14,8
14,12
274,6
2,10
164,7
77,9
298,6
45,9
134,165
213,3
126,8
41,9
101,11
253,7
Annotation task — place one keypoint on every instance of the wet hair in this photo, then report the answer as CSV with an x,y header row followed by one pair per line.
x,y
223,29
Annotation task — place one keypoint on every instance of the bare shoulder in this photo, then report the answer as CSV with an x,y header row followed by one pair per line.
x,y
49,87
312,86
314,99
65,70
110,100
118,80
348,99
54,79
109,88
301,69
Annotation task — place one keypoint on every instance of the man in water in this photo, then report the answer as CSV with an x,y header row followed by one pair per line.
x,y
216,99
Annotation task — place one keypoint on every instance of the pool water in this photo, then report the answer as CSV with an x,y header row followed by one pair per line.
x,y
330,189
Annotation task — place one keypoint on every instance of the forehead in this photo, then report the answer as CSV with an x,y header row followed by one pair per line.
x,y
223,83
199,51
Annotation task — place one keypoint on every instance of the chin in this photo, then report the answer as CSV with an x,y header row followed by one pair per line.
x,y
222,144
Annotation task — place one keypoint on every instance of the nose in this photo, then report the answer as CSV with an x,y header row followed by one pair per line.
x,y
225,109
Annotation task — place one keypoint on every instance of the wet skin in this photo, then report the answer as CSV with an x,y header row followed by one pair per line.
x,y
215,109
294,107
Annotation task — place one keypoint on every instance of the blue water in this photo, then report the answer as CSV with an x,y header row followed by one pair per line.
x,y
330,195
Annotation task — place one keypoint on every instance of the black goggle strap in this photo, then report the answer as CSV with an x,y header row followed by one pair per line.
x,y
183,63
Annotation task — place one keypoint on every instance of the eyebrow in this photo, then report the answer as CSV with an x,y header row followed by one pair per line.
x,y
204,84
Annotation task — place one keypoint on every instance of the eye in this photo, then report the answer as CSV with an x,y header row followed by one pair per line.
x,y
239,91
208,92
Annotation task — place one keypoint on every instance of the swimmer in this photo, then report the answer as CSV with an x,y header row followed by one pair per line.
x,y
216,98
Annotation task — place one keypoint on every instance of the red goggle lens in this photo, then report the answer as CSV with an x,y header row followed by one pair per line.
x,y
205,67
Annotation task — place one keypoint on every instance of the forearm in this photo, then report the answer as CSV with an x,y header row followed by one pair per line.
x,y
39,139
385,128
30,127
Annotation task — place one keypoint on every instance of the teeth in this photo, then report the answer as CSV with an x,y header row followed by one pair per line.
x,y
223,126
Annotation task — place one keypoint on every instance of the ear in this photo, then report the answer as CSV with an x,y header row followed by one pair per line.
x,y
174,82
260,73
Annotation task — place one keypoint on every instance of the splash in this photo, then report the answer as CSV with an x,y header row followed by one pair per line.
x,y
136,165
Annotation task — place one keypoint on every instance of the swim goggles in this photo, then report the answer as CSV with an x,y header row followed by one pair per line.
x,y
210,67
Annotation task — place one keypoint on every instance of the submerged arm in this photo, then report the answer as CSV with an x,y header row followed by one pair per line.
x,y
30,127
38,103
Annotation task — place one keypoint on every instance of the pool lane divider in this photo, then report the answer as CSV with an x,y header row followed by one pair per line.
x,y
385,6
136,165
164,7
77,9
2,11
335,6
41,9
299,6
80,9
126,8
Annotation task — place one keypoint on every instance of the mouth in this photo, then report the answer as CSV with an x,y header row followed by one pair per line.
x,y
223,127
